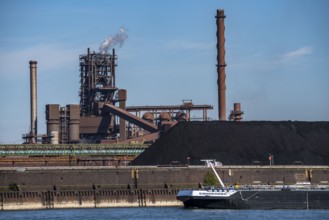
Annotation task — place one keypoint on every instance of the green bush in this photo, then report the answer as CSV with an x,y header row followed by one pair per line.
x,y
210,179
13,187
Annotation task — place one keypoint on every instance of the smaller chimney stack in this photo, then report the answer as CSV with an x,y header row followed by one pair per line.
x,y
236,113
33,100
122,96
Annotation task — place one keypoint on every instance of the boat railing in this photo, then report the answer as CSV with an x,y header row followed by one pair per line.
x,y
284,187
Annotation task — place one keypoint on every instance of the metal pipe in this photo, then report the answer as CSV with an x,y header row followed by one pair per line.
x,y
113,67
33,100
237,107
221,64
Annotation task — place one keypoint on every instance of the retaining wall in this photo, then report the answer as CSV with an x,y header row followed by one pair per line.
x,y
89,187
87,199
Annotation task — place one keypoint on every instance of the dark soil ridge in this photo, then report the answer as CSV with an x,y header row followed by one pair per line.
x,y
241,143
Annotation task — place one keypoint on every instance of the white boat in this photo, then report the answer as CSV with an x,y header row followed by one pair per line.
x,y
260,197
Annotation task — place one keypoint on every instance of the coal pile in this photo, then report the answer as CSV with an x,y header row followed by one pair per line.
x,y
241,143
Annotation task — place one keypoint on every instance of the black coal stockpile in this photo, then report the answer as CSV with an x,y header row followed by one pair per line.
x,y
241,143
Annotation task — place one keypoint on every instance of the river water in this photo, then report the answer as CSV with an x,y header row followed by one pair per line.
x,y
171,213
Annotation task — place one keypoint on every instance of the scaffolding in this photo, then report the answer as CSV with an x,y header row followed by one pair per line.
x,y
63,125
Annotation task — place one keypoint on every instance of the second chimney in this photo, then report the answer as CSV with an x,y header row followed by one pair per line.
x,y
33,100
221,64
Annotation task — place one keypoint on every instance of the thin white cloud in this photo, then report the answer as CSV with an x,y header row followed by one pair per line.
x,y
48,57
267,62
183,45
297,53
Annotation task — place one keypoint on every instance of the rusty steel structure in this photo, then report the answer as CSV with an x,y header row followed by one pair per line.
x,y
100,120
102,115
176,112
97,88
221,64
97,79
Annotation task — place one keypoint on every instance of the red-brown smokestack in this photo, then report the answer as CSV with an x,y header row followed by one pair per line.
x,y
33,99
221,65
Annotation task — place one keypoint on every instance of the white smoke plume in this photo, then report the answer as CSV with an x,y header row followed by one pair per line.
x,y
110,42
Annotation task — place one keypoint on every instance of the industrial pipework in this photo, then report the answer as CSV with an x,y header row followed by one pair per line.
x,y
97,78
33,100
221,65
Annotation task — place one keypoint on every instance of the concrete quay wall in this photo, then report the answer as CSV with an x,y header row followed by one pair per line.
x,y
87,199
90,187
89,178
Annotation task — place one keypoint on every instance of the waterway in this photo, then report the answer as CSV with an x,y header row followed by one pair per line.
x,y
171,213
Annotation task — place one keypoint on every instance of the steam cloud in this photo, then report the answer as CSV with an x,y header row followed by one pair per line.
x,y
110,42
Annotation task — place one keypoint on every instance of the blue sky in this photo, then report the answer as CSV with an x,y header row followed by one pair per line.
x,y
276,53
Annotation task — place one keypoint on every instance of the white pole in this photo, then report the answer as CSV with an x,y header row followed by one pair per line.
x,y
213,169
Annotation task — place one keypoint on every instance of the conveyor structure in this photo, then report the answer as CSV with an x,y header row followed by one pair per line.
x,y
72,150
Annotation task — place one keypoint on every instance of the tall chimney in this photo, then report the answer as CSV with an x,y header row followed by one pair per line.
x,y
221,65
33,99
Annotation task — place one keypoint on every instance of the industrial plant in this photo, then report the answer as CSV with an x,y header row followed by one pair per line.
x,y
102,115
102,153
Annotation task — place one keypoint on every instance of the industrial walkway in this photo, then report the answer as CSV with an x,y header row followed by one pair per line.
x,y
72,150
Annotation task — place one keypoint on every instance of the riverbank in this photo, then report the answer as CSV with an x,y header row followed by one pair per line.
x,y
88,199
23,188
